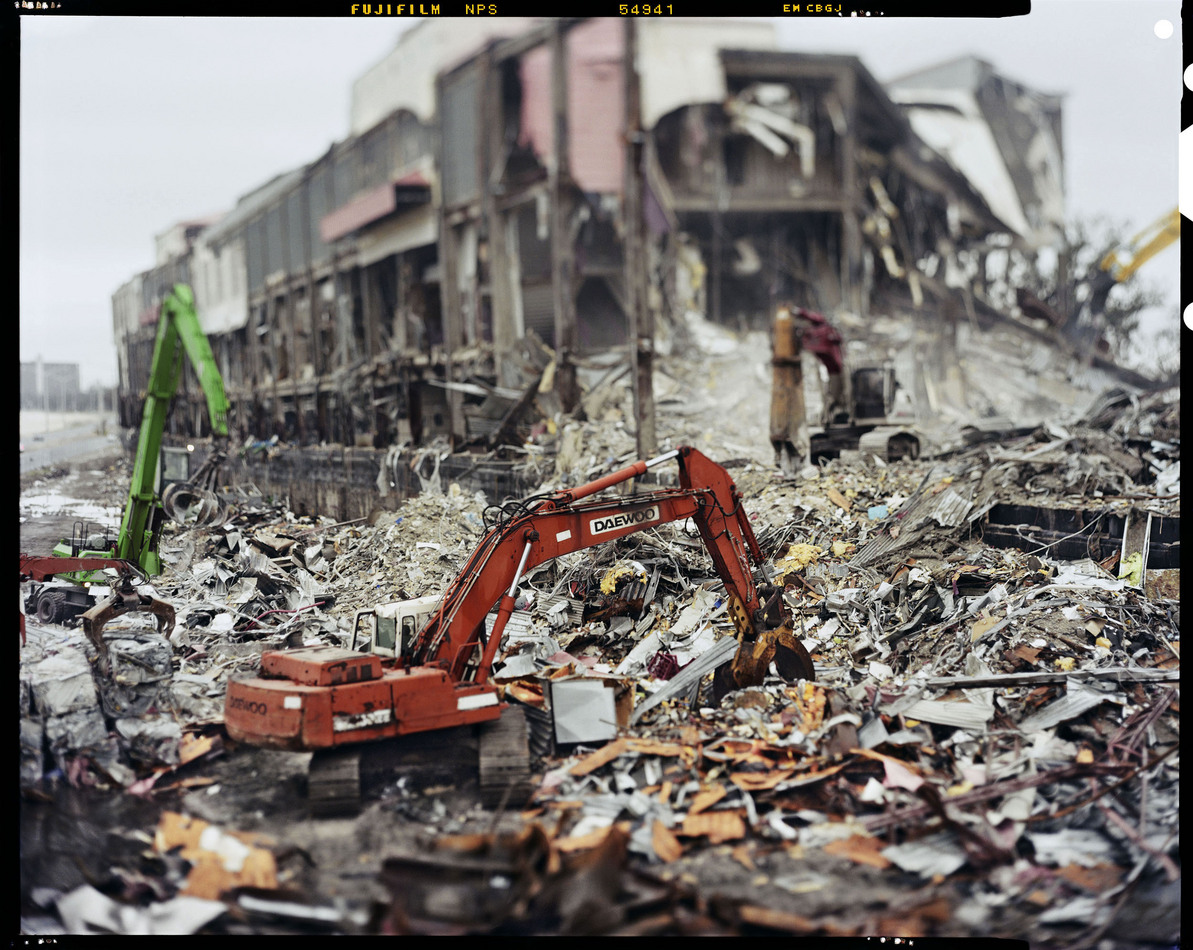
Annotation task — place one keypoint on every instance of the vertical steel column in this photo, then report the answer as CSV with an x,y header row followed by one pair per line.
x,y
562,255
641,318
505,332
851,263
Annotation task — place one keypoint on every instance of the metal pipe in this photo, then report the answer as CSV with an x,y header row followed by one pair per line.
x,y
521,566
613,478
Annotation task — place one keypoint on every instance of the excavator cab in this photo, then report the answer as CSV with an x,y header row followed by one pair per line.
x,y
86,540
870,425
873,390
175,466
389,629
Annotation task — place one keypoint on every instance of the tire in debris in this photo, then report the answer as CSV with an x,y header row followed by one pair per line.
x,y
49,608
903,447
890,444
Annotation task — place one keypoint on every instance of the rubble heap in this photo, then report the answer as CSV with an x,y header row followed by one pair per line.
x,y
991,744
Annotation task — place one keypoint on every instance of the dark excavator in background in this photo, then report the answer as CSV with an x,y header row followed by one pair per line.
x,y
858,402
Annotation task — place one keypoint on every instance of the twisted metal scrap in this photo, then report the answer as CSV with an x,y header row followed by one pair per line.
x,y
194,502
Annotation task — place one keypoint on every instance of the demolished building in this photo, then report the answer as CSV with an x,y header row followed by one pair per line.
x,y
526,207
990,745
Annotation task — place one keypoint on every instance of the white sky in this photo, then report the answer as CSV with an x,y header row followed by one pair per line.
x,y
129,124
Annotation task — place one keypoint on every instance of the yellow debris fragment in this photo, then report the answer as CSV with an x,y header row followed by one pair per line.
x,y
1131,569
798,557
621,571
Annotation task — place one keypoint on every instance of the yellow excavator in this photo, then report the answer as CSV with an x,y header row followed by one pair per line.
x,y
1124,261
1119,265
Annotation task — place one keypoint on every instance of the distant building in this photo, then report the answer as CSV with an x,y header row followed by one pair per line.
x,y
52,386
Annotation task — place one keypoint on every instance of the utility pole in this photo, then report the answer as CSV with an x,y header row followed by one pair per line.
x,y
641,318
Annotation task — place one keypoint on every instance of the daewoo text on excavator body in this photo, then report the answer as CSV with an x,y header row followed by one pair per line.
x,y
324,698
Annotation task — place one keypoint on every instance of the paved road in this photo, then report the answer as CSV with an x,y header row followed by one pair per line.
x,y
55,448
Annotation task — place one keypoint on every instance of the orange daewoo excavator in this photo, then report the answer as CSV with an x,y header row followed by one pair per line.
x,y
335,702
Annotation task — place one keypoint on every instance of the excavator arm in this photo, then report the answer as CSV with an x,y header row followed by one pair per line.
x,y
1120,264
453,639
124,596
178,331
323,698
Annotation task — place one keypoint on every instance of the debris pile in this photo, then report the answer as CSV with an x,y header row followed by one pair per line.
x,y
991,744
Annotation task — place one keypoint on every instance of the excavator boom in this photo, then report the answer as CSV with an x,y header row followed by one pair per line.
x,y
178,330
1122,262
555,525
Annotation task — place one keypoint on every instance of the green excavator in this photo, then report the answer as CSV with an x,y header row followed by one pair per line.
x,y
134,550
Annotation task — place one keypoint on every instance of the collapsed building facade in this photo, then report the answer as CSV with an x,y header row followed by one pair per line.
x,y
524,203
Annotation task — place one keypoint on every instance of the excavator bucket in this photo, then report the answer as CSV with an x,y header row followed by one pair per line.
x,y
186,505
752,661
122,600
194,502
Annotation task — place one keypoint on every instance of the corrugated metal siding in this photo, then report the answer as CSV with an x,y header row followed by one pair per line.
x,y
254,251
275,244
460,137
596,104
250,207
376,149
343,177
538,311
319,206
534,244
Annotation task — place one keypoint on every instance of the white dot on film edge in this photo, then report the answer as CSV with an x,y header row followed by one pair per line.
x,y
1163,29
1189,316
1189,76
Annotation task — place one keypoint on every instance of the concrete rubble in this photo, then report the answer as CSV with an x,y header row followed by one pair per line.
x,y
991,746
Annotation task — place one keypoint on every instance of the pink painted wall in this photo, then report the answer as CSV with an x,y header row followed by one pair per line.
x,y
596,104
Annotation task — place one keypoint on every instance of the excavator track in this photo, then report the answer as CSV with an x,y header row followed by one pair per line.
x,y
890,444
505,760
498,753
333,782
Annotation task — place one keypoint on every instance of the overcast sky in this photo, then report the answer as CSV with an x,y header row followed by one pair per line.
x,y
131,124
